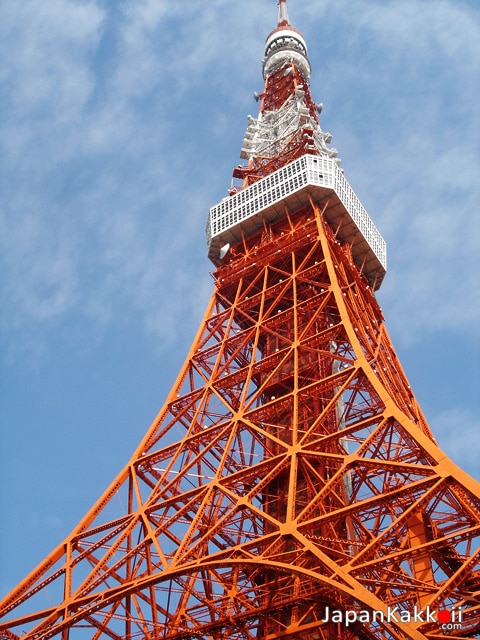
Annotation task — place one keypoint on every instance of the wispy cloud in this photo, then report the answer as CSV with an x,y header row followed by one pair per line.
x,y
98,145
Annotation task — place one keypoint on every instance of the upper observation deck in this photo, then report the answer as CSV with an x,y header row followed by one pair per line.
x,y
309,176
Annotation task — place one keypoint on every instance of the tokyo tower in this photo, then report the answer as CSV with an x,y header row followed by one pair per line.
x,y
290,486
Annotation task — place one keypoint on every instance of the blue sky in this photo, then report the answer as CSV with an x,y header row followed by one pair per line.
x,y
120,123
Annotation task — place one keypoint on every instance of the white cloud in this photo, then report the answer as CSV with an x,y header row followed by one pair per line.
x,y
45,47
424,26
96,158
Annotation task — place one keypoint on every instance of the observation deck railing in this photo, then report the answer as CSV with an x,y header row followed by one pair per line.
x,y
293,185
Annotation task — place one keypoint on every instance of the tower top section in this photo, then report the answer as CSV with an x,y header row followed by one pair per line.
x,y
285,44
290,164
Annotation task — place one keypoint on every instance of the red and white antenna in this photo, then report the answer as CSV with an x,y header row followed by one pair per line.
x,y
283,20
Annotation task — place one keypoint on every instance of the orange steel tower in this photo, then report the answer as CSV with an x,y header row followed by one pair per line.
x,y
290,486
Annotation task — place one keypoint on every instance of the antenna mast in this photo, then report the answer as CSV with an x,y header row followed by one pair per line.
x,y
282,13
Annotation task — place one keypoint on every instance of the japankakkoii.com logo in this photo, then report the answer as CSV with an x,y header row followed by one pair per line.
x,y
448,619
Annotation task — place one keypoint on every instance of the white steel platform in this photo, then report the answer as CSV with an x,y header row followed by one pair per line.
x,y
309,176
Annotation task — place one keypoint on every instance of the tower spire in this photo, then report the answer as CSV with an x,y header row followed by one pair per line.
x,y
282,13
287,126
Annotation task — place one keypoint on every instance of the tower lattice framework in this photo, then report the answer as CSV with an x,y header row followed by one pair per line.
x,y
290,486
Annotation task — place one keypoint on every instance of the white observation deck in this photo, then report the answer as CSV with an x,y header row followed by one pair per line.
x,y
309,176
